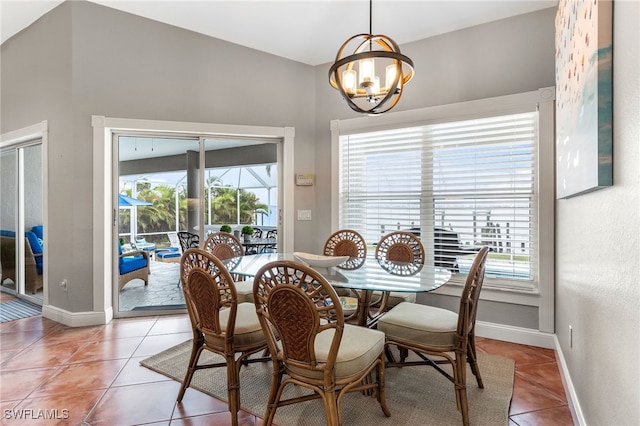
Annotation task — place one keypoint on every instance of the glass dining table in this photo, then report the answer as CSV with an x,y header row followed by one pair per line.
x,y
366,277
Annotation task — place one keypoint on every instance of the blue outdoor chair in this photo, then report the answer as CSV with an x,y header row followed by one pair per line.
x,y
132,265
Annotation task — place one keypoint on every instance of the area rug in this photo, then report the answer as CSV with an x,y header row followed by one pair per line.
x,y
415,395
18,309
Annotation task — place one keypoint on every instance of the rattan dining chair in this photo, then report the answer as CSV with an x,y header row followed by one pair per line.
x,y
220,324
346,242
315,349
399,246
439,336
224,246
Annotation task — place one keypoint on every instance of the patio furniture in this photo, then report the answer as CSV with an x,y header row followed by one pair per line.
x,y
142,244
132,265
219,323
447,336
33,272
172,253
314,348
188,240
272,234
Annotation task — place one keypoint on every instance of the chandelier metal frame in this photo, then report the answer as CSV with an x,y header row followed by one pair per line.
x,y
386,49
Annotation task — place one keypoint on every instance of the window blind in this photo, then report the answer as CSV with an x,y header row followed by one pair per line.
x,y
459,185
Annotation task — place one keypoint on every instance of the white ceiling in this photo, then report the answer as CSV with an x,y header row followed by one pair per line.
x,y
308,31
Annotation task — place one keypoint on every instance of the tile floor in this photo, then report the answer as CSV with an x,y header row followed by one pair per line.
x,y
91,376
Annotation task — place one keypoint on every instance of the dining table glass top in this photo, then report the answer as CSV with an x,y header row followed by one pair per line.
x,y
368,274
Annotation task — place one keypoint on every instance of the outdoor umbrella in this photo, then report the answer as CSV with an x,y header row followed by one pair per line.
x,y
124,201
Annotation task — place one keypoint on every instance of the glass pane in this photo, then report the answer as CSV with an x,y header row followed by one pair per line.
x,y
32,212
159,197
8,223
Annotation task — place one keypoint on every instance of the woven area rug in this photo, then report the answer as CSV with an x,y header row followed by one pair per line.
x,y
415,395
18,309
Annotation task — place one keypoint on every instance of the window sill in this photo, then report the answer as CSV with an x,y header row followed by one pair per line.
x,y
513,296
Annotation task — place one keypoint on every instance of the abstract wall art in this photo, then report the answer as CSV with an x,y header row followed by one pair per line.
x,y
584,107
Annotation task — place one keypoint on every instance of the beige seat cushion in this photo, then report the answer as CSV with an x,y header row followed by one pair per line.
x,y
359,348
244,289
248,331
426,325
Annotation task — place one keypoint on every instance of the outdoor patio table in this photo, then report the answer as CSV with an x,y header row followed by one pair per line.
x,y
372,275
258,245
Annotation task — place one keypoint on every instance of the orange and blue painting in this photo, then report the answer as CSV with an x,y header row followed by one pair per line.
x,y
584,96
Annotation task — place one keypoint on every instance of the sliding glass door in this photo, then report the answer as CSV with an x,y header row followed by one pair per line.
x,y
183,188
21,214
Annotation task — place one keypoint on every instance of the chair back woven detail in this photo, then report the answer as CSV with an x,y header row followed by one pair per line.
x,y
299,306
285,303
208,288
223,245
346,242
400,246
188,240
284,290
211,300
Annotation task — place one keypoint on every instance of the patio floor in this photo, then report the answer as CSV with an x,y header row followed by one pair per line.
x,y
162,291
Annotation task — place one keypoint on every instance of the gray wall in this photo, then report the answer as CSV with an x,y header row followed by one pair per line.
x,y
598,256
504,57
83,59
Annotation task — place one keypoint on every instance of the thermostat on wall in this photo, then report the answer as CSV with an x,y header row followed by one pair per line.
x,y
304,179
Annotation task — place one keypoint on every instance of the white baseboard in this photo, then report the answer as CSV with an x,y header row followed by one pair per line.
x,y
574,403
77,319
522,336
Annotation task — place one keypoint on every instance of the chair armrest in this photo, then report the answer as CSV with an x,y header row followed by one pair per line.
x,y
136,253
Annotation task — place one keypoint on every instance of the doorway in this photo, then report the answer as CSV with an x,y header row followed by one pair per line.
x,y
169,184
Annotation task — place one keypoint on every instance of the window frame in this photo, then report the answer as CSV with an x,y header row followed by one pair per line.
x,y
543,100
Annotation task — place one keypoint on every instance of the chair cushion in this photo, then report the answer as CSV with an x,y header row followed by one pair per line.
x,y
128,264
248,331
425,325
359,347
244,289
168,253
38,230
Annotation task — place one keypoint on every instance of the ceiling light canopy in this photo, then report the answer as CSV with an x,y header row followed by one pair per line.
x,y
355,76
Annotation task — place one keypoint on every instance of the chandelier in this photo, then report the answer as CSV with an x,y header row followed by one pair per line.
x,y
355,75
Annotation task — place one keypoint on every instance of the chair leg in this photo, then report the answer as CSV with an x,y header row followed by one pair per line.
x,y
460,383
473,360
274,393
331,408
382,399
233,387
196,349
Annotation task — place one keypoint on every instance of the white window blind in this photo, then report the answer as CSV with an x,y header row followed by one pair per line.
x,y
459,185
